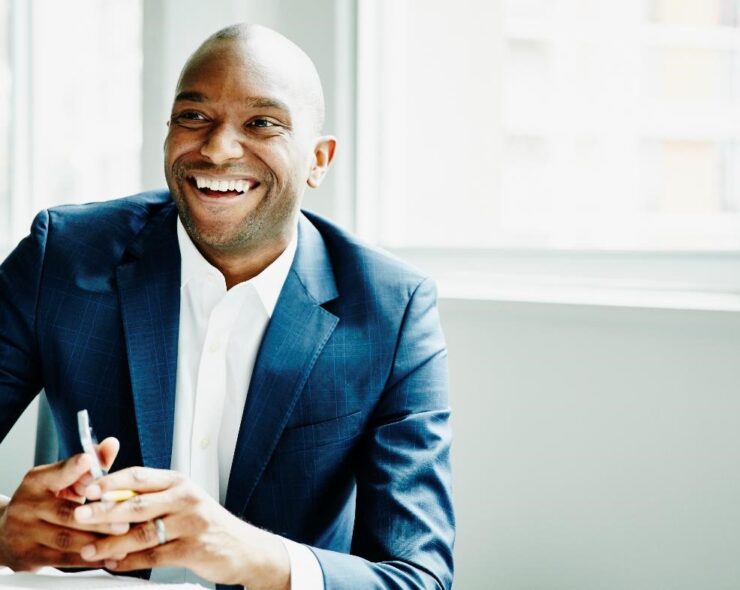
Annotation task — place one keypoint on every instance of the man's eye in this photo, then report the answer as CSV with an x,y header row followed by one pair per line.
x,y
190,116
261,123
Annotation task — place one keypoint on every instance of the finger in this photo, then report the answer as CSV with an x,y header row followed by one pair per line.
x,y
57,476
139,479
71,495
140,538
79,487
108,451
46,556
169,554
140,508
61,513
58,511
62,538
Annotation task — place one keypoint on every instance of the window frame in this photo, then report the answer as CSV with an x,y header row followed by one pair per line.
x,y
703,280
21,175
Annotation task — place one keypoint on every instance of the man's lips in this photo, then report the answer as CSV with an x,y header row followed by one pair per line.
x,y
222,186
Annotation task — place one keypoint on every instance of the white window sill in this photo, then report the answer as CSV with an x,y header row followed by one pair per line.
x,y
592,296
652,280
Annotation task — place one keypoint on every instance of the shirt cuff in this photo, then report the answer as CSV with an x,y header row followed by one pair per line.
x,y
305,571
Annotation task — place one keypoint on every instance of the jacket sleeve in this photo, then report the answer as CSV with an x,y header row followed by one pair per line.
x,y
404,523
20,370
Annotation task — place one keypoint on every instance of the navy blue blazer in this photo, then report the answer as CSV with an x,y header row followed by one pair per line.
x,y
344,441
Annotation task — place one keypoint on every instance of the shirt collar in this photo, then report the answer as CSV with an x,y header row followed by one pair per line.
x,y
268,283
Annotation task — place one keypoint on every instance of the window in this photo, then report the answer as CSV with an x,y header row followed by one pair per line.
x,y
5,130
71,82
578,125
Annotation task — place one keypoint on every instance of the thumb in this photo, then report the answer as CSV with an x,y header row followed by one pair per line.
x,y
108,451
57,476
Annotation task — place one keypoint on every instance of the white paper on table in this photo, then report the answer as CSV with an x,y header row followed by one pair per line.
x,y
53,579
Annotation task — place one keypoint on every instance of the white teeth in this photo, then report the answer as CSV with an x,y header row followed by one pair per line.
x,y
222,185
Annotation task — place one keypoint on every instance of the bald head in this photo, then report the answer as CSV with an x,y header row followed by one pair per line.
x,y
267,54
243,143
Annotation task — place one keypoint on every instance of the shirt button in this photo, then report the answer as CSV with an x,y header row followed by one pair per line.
x,y
215,346
204,442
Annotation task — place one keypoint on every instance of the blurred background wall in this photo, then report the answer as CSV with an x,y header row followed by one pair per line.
x,y
584,238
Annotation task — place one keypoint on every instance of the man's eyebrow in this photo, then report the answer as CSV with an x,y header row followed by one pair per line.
x,y
260,102
190,95
257,102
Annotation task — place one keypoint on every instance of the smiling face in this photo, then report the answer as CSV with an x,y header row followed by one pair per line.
x,y
243,143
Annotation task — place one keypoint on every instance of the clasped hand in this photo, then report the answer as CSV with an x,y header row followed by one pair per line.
x,y
48,523
38,528
200,533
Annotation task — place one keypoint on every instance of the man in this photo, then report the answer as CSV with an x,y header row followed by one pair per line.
x,y
262,369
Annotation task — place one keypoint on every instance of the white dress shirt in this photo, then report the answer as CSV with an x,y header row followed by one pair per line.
x,y
220,334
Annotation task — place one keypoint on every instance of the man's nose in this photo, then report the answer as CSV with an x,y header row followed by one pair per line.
x,y
222,144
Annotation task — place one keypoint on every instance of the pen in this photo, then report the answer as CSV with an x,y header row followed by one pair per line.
x,y
89,446
118,496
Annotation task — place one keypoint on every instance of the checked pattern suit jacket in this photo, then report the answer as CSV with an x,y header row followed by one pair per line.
x,y
344,440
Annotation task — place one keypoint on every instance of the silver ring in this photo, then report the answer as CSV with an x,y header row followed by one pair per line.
x,y
161,531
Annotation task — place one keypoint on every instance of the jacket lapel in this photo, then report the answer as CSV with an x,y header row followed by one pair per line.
x,y
149,295
296,334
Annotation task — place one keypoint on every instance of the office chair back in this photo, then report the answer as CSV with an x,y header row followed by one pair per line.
x,y
47,447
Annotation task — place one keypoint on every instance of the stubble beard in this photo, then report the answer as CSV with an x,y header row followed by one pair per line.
x,y
228,237
258,227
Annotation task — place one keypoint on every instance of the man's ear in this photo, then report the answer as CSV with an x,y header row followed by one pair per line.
x,y
323,154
